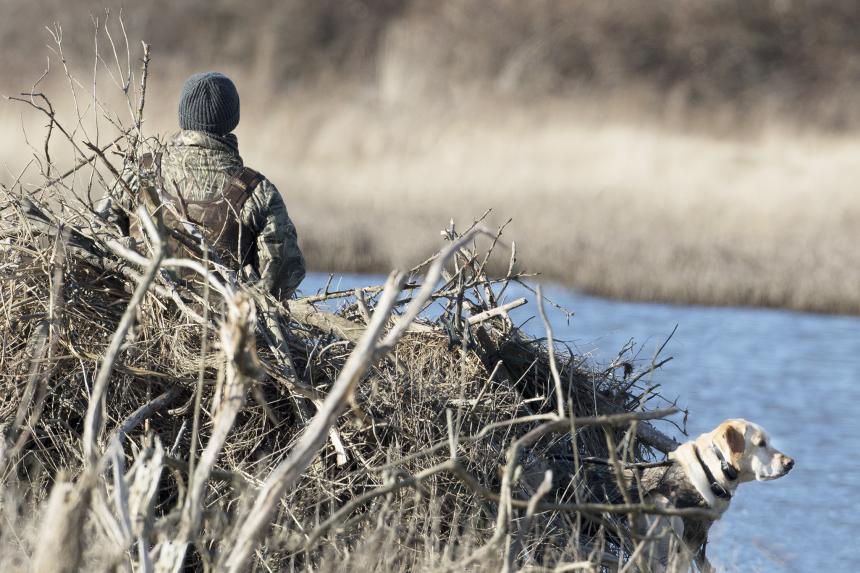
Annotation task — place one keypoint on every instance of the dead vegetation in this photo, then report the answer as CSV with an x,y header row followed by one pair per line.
x,y
798,59
155,423
145,435
794,62
674,154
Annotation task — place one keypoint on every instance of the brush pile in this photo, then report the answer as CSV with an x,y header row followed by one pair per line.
x,y
155,423
423,444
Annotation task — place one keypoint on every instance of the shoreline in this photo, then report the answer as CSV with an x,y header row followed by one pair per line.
x,y
555,282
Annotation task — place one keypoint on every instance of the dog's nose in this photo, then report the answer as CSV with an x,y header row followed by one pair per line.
x,y
787,463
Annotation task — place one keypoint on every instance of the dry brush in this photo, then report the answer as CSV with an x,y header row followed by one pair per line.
x,y
161,413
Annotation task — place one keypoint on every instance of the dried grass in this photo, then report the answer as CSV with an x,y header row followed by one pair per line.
x,y
707,158
612,208
796,61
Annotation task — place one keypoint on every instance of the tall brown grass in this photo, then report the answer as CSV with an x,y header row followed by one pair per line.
x,y
796,59
686,152
630,211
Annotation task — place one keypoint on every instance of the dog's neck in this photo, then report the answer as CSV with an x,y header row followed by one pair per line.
x,y
709,473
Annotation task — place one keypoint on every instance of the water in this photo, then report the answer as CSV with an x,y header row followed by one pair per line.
x,y
794,374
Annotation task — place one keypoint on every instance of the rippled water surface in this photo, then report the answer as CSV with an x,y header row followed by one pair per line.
x,y
797,375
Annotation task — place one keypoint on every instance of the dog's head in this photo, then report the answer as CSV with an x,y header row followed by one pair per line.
x,y
750,450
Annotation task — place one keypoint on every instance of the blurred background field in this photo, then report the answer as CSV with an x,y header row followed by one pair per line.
x,y
693,152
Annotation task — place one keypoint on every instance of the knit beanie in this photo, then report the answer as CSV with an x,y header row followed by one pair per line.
x,y
210,103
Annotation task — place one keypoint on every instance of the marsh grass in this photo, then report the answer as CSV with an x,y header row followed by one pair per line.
x,y
625,210
698,154
620,210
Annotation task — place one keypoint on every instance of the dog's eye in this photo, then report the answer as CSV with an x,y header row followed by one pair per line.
x,y
762,443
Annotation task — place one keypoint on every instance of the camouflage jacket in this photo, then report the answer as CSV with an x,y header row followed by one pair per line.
x,y
200,164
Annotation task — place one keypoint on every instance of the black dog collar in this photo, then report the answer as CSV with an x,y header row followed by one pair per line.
x,y
728,469
717,489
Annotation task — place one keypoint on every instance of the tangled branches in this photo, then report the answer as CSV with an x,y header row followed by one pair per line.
x,y
158,422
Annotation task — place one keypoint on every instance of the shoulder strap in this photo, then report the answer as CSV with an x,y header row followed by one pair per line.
x,y
240,186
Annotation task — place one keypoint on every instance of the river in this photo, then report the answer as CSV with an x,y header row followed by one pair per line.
x,y
794,374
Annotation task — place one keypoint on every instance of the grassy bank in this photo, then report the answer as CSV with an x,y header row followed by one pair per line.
x,y
621,209
649,151
627,210
739,63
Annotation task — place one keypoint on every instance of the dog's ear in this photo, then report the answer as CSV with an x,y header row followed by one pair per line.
x,y
735,439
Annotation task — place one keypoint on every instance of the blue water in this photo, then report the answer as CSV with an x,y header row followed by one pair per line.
x,y
797,375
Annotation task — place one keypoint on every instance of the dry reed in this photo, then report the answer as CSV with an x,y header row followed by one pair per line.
x,y
543,109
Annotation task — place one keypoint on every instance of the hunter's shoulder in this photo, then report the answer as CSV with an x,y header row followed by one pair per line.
x,y
266,203
265,190
261,180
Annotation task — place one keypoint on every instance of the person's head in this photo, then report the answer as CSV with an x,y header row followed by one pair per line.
x,y
210,103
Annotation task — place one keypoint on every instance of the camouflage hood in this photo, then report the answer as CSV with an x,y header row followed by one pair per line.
x,y
199,163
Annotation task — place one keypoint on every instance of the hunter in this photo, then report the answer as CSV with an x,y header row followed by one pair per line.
x,y
201,179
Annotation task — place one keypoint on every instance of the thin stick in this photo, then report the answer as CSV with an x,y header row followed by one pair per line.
x,y
201,374
550,344
540,493
497,311
237,342
143,77
361,302
147,410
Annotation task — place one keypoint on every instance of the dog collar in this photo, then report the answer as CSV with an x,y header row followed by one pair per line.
x,y
728,469
716,488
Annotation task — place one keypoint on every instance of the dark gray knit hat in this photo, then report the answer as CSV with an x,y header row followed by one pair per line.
x,y
210,103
